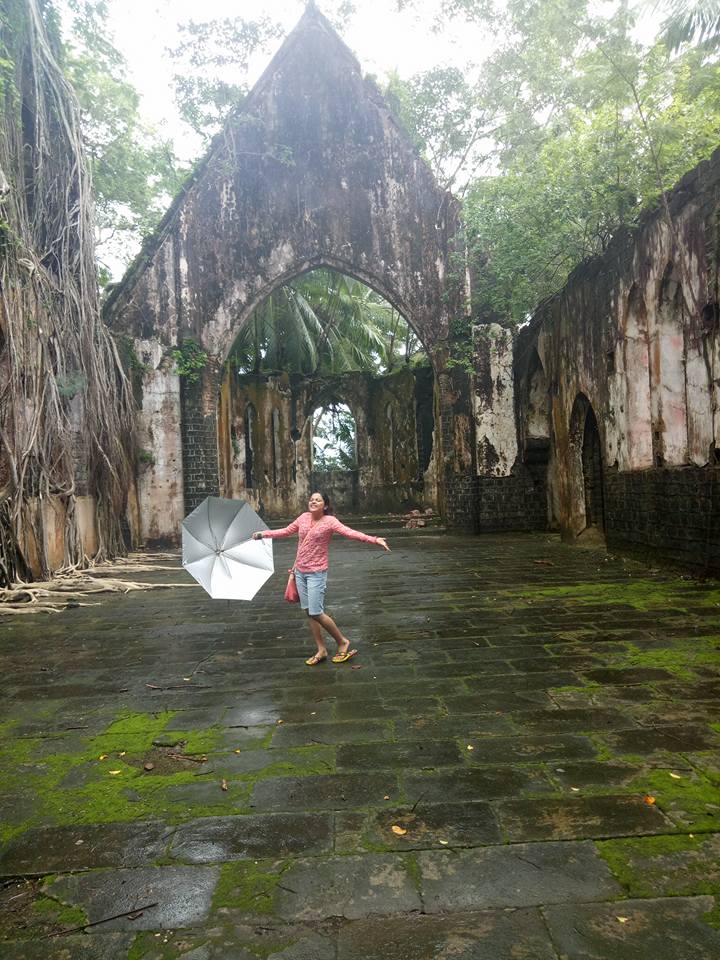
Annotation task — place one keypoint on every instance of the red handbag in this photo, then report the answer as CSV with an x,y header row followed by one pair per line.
x,y
291,590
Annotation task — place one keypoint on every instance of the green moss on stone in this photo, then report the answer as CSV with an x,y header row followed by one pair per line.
x,y
249,886
693,801
640,593
413,870
664,866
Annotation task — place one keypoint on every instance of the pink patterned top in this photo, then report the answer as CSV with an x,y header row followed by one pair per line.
x,y
314,537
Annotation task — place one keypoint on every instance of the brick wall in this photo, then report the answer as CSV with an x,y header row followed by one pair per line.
x,y
517,502
670,514
199,448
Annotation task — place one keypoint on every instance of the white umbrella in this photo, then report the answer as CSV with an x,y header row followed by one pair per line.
x,y
218,549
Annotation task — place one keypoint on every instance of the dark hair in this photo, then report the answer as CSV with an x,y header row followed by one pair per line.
x,y
327,509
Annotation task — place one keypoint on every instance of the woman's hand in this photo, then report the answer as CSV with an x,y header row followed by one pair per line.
x,y
257,535
383,543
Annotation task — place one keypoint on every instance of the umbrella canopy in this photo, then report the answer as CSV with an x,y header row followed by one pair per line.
x,y
218,549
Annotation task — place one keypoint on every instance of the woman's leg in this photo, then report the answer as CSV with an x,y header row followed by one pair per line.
x,y
317,636
329,625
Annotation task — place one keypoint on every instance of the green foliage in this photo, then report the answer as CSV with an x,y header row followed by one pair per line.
x,y
569,130
334,439
134,169
322,323
690,21
209,60
190,359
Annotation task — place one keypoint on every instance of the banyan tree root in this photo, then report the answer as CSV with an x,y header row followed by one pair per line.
x,y
71,588
66,407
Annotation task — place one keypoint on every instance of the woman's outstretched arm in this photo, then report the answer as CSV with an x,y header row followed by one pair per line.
x,y
277,534
357,534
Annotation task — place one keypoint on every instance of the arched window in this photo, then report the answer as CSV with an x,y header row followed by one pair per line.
x,y
334,438
586,487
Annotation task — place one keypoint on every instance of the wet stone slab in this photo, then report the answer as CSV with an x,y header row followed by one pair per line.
x,y
62,849
520,875
672,739
490,935
218,839
183,896
529,749
573,720
474,783
349,887
581,817
668,929
331,792
376,756
307,734
428,825
105,946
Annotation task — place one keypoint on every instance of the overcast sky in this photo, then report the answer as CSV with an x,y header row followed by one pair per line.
x,y
382,39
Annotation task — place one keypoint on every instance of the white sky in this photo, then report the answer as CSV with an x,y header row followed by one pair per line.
x,y
382,39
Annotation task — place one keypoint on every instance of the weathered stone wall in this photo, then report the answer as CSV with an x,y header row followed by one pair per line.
x,y
621,371
266,444
312,170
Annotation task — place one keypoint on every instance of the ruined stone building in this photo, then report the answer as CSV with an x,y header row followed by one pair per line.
x,y
600,412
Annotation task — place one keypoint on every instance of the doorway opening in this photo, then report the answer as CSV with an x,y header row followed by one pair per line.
x,y
328,387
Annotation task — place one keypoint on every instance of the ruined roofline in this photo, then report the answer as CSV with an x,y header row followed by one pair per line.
x,y
311,19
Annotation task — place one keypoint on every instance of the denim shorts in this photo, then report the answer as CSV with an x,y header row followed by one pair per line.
x,y
311,587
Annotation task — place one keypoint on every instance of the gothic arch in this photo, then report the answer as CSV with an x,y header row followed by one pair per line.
x,y
586,467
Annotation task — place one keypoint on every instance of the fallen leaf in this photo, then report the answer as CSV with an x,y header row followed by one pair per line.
x,y
649,800
399,831
224,785
622,919
676,776
187,679
114,773
444,842
470,747
148,766
386,797
238,751
313,713
122,753
281,721
575,789
103,756
357,666
79,842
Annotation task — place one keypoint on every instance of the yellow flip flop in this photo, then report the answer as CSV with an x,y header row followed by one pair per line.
x,y
342,657
315,660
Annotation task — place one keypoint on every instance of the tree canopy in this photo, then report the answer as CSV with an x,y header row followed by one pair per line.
x,y
562,135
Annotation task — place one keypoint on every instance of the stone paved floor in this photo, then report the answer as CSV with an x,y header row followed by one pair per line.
x,y
522,763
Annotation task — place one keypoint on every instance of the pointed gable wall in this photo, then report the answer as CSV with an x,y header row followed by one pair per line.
x,y
313,170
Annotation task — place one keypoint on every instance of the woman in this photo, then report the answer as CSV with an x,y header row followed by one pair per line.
x,y
314,529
